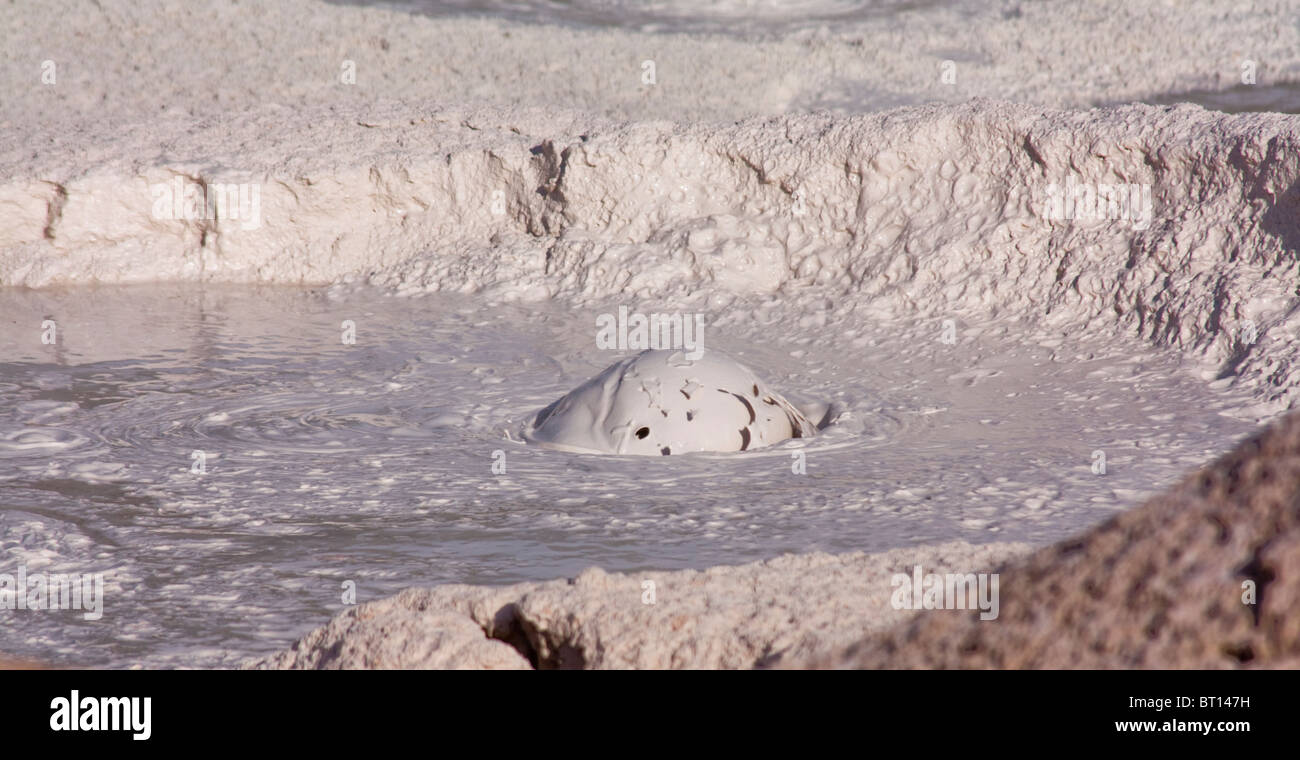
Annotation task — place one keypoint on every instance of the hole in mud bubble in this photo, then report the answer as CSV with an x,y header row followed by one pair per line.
x,y
643,432
750,408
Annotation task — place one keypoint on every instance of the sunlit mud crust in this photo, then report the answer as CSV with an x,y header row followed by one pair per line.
x,y
664,402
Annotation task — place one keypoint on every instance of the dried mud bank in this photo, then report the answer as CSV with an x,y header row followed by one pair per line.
x,y
935,211
789,608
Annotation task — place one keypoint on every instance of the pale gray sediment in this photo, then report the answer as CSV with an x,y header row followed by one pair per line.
x,y
129,62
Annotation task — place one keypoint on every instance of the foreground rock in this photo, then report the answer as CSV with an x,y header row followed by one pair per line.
x,y
1157,587
763,613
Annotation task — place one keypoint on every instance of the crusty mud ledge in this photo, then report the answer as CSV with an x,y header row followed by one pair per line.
x,y
794,606
1160,586
935,212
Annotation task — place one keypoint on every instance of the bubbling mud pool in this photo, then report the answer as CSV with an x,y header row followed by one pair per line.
x,y
230,464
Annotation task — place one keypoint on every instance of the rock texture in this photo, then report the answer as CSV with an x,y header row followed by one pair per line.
x,y
762,613
1160,586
